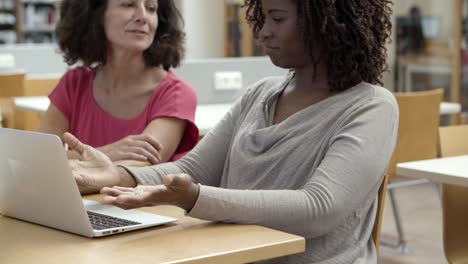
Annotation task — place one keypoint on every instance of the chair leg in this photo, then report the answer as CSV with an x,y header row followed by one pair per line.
x,y
439,190
401,244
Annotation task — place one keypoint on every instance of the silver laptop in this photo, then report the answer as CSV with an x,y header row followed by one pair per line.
x,y
37,185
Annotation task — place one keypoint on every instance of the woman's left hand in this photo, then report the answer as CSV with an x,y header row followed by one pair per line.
x,y
178,190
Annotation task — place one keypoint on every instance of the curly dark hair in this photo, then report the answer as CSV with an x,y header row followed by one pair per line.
x,y
81,36
351,34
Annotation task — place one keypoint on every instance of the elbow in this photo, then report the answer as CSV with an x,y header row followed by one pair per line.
x,y
324,213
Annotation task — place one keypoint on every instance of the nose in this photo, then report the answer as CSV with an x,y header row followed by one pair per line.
x,y
141,15
264,33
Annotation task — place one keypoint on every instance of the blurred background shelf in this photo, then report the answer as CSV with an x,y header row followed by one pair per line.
x,y
28,21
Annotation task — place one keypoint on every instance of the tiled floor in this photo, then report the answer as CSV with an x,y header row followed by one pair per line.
x,y
422,221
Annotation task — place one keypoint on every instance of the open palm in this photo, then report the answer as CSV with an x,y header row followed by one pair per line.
x,y
91,168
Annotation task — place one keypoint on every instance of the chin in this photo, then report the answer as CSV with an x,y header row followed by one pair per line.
x,y
138,48
279,63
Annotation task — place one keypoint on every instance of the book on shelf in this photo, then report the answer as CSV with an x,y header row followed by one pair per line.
x,y
239,38
7,22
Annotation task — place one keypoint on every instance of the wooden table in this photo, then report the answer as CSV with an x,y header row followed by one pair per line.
x,y
451,170
188,240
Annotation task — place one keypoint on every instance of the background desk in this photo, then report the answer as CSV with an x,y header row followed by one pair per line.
x,y
431,65
206,115
188,240
451,170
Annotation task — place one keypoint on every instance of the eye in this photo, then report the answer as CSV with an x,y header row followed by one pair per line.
x,y
152,8
277,19
127,4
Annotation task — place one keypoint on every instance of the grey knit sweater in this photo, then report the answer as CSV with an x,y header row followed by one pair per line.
x,y
316,174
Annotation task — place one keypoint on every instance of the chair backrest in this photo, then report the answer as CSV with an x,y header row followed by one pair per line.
x,y
12,83
417,127
454,142
40,86
376,230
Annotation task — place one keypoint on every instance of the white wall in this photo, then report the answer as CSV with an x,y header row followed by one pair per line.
x,y
204,26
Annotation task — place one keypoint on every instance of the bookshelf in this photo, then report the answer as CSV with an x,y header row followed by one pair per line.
x,y
28,21
7,21
36,20
239,38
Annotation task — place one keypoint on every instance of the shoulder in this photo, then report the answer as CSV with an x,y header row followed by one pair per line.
x,y
174,94
79,73
174,85
365,95
382,96
264,88
77,78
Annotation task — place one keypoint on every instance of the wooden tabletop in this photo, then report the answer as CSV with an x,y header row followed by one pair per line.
x,y
188,240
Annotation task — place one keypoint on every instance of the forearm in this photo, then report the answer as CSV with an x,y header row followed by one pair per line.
x,y
152,175
132,163
293,211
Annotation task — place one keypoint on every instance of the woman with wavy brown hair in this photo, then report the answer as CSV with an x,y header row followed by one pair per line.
x,y
305,153
124,99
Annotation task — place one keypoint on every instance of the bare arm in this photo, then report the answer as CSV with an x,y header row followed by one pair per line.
x,y
53,122
169,131
156,144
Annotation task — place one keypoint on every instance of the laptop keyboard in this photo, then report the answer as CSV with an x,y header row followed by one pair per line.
x,y
100,221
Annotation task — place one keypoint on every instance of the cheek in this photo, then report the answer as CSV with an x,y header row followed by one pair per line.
x,y
154,22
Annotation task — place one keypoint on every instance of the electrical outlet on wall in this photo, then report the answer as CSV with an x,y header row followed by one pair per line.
x,y
228,80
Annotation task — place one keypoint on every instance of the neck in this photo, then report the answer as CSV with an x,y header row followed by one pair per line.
x,y
124,64
308,81
124,69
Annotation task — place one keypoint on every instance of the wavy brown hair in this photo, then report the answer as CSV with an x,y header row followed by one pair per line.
x,y
81,36
351,34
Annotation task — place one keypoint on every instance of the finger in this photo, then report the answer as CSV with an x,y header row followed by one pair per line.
x,y
124,189
155,155
123,201
111,191
73,143
141,151
151,140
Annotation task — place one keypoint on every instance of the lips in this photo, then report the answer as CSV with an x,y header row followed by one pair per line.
x,y
136,31
269,46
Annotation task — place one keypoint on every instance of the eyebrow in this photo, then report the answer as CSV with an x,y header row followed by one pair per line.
x,y
277,10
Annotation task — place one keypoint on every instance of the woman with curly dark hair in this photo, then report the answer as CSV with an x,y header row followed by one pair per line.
x,y
124,99
305,153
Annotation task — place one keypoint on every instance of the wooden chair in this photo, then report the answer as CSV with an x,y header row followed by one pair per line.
x,y
379,217
417,140
7,112
13,84
454,142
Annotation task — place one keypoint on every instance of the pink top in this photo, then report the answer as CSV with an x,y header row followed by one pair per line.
x,y
173,97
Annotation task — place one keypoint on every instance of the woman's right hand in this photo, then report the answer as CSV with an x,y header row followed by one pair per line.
x,y
141,147
93,169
